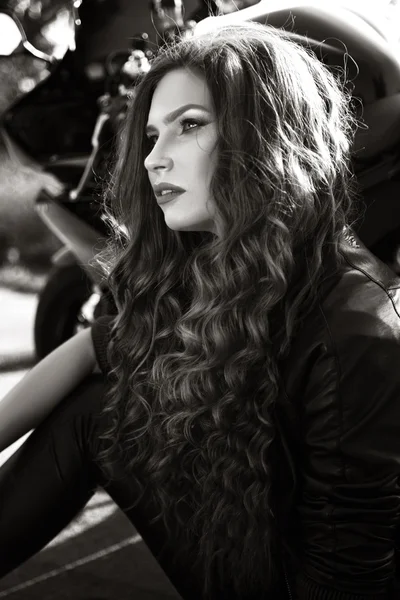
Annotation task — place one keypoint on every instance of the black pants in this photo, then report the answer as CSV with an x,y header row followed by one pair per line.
x,y
51,477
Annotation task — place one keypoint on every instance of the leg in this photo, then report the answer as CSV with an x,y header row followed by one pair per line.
x,y
49,479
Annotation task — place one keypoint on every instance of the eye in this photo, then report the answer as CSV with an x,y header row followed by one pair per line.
x,y
151,140
186,125
195,122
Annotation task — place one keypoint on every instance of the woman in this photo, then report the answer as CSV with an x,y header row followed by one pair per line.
x,y
249,423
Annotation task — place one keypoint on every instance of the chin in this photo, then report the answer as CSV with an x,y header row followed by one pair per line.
x,y
203,226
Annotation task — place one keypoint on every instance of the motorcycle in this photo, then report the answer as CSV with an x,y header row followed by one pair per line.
x,y
73,294
342,38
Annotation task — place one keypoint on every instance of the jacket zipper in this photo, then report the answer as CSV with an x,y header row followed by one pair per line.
x,y
288,586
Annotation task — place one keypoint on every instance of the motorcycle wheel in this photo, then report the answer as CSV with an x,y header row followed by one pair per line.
x,y
58,314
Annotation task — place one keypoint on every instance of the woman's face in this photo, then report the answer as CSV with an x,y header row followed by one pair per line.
x,y
183,141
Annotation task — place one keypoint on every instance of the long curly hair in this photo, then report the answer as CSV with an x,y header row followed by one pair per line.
x,y
203,319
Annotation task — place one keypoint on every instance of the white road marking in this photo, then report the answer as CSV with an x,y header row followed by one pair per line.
x,y
73,565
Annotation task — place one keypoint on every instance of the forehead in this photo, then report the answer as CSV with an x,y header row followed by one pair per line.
x,y
176,88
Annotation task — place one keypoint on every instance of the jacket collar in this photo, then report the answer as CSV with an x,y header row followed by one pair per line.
x,y
357,256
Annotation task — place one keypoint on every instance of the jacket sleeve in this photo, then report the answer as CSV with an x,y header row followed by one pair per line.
x,y
349,505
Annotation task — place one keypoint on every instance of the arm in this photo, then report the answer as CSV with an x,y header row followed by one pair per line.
x,y
44,386
349,508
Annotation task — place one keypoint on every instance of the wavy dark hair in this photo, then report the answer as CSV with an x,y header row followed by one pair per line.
x,y
203,319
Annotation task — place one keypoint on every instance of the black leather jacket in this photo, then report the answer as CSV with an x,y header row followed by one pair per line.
x,y
339,436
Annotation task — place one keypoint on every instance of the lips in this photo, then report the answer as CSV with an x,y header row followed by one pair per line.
x,y
165,186
173,191
168,197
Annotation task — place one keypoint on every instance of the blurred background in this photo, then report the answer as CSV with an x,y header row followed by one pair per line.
x,y
66,74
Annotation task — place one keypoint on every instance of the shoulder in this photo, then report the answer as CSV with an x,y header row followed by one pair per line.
x,y
355,326
364,302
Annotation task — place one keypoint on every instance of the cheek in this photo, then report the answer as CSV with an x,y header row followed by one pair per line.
x,y
206,155
207,164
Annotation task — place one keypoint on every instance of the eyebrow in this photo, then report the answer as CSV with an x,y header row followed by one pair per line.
x,y
174,115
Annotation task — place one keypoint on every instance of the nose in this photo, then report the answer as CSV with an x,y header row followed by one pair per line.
x,y
158,160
